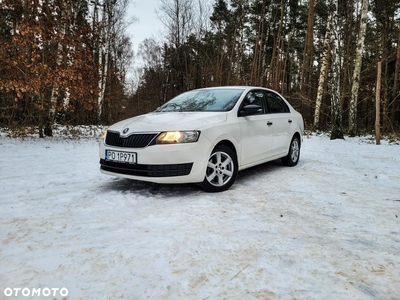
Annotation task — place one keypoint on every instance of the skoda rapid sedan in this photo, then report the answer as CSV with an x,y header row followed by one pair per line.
x,y
204,136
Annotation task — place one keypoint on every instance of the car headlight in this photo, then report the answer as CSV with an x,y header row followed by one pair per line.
x,y
177,137
103,135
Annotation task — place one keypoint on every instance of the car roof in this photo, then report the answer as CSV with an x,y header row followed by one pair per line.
x,y
245,87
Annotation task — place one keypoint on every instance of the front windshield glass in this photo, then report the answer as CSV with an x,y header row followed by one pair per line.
x,y
203,100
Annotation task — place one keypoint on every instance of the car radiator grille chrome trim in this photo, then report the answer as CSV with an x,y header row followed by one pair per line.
x,y
147,170
138,140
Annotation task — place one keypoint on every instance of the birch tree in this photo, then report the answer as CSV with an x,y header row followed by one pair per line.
x,y
104,51
357,69
59,32
324,61
336,109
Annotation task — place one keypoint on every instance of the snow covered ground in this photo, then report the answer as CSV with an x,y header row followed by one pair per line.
x,y
328,228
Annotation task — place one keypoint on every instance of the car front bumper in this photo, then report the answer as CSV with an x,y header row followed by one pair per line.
x,y
168,163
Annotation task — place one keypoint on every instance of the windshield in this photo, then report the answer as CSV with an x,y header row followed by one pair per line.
x,y
203,100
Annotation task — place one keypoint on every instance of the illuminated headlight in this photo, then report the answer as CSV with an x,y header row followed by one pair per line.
x,y
177,137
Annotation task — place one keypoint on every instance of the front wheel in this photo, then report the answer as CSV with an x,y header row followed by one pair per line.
x,y
294,153
222,169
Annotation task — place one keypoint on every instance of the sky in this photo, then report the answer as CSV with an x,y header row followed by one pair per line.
x,y
147,25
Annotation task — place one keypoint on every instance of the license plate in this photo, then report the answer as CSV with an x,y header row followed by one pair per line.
x,y
119,156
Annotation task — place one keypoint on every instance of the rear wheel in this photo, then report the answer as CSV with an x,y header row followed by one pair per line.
x,y
222,169
294,153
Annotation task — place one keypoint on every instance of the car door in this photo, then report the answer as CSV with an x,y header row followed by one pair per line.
x,y
279,114
256,132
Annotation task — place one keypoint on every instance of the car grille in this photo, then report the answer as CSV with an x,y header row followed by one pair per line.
x,y
146,170
132,141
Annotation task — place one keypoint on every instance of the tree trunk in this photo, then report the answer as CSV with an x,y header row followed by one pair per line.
x,y
103,56
385,74
66,99
232,57
378,105
275,66
396,91
336,109
357,70
306,71
48,129
255,78
54,96
322,72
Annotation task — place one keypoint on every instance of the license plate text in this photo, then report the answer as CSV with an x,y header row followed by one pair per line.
x,y
119,156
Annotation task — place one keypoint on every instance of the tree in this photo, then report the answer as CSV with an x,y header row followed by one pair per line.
x,y
105,24
387,14
324,62
221,20
51,61
178,18
357,69
41,47
336,109
308,54
257,66
378,104
396,85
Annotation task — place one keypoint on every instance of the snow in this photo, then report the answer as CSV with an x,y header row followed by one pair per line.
x,y
327,228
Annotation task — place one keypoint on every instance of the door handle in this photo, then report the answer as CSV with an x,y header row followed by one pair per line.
x,y
290,121
269,123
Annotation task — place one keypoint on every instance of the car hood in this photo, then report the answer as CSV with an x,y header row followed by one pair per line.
x,y
169,121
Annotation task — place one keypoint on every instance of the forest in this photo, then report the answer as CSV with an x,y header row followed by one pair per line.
x,y
68,61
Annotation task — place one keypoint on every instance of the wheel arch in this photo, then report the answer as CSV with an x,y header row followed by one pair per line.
x,y
229,144
298,135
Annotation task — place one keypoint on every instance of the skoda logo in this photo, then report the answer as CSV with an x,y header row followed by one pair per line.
x,y
125,130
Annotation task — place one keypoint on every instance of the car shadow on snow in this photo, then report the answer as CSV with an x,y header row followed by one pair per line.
x,y
253,174
149,188
141,187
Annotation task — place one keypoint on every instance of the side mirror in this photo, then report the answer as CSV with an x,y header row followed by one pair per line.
x,y
249,110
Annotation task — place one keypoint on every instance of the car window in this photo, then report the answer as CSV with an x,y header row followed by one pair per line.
x,y
257,98
203,100
276,104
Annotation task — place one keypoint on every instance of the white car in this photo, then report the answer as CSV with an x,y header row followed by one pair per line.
x,y
204,136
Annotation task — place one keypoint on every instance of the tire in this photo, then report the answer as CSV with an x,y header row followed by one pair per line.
x,y
222,170
294,153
